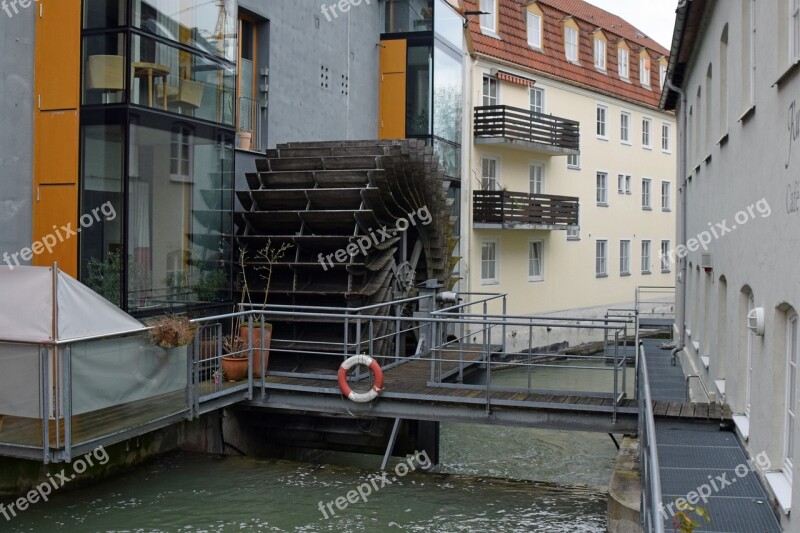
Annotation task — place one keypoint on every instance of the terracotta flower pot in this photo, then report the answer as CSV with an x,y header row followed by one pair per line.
x,y
260,342
235,368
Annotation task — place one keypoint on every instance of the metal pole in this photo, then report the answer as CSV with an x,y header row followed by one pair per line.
x,y
530,355
487,351
192,361
461,352
264,355
358,345
616,362
503,327
47,389
390,445
66,399
250,357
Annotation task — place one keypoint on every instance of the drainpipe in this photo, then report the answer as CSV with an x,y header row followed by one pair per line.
x,y
680,288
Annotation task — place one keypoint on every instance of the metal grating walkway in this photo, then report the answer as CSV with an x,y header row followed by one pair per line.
x,y
693,455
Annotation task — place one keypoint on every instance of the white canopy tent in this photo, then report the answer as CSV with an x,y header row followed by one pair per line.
x,y
44,305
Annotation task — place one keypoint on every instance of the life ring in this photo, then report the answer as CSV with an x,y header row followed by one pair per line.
x,y
361,397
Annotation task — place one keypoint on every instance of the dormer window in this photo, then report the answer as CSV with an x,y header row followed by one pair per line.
x,y
644,69
571,41
623,60
535,30
489,21
600,49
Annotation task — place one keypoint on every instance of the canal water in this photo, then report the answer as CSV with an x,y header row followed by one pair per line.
x,y
492,479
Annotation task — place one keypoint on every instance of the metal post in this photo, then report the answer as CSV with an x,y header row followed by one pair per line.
x,y
625,361
487,351
250,357
66,398
461,340
371,333
264,355
616,362
530,355
217,360
636,359
390,445
47,388
503,344
193,359
358,345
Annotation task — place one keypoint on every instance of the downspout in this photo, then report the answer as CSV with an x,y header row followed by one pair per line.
x,y
680,292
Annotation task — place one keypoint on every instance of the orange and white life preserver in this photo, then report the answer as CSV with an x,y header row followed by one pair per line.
x,y
361,397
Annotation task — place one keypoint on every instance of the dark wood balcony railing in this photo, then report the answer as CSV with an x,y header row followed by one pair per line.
x,y
514,123
516,208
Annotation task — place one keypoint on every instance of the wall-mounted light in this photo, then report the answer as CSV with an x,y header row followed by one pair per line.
x,y
755,321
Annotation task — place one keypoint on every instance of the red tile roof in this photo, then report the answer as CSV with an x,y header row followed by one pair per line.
x,y
512,47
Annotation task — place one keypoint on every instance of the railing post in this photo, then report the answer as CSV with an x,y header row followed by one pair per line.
x,y
194,356
66,397
46,397
530,355
487,349
616,369
264,355
250,357
358,345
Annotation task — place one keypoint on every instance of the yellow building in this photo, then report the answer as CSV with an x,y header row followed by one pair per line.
x,y
569,199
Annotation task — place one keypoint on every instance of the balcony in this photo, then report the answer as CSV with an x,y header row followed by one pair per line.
x,y
527,130
516,210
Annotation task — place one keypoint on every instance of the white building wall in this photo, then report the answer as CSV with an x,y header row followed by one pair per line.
x,y
744,174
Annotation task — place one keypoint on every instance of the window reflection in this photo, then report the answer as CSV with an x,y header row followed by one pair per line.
x,y
401,16
208,25
168,78
418,105
179,197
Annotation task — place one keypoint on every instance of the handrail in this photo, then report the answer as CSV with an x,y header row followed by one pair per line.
x,y
702,385
652,521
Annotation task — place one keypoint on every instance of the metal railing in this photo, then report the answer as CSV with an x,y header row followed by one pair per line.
x,y
250,121
524,125
652,521
505,207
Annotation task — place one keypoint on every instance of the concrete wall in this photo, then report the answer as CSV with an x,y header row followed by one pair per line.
x,y
753,176
301,42
569,281
16,128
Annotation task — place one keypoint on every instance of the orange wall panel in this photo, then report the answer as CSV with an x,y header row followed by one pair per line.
x,y
55,151
57,205
392,100
56,131
58,54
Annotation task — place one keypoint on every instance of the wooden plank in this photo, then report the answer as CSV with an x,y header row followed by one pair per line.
x,y
674,409
701,410
687,410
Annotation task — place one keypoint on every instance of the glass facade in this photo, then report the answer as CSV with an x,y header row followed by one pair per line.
x,y
434,73
157,136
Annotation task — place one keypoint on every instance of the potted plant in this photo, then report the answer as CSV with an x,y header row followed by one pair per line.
x,y
171,332
245,140
262,331
234,363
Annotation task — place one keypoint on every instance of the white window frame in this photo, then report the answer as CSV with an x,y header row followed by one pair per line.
x,y
647,194
532,180
624,63
489,21
647,256
623,183
602,200
666,268
181,153
568,46
600,54
601,109
628,184
535,278
794,31
495,244
574,234
488,99
625,257
647,133
790,415
666,137
644,71
574,162
625,129
662,74
601,261
534,24
538,91
666,196
495,178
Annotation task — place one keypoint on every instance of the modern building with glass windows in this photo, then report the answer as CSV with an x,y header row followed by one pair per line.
x,y
155,110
